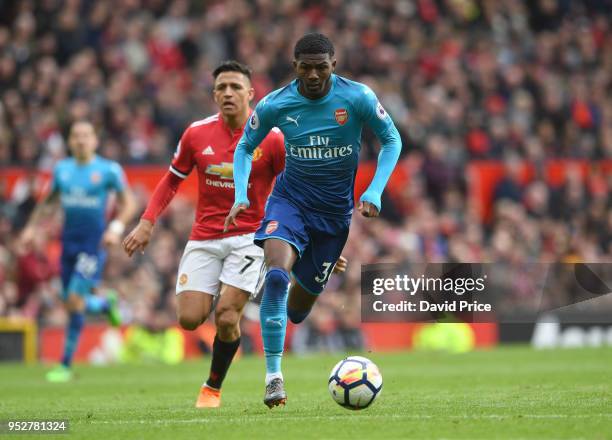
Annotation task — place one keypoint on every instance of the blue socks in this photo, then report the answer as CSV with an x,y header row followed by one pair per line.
x,y
96,304
93,304
75,325
273,317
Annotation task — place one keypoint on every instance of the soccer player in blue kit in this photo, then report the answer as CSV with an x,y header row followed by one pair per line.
x,y
308,214
82,184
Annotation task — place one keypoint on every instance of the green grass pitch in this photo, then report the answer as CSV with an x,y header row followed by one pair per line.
x,y
508,393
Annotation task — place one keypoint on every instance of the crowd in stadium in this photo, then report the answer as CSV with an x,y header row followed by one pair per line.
x,y
463,80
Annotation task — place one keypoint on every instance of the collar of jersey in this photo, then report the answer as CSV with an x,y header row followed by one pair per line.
x,y
85,165
318,100
228,128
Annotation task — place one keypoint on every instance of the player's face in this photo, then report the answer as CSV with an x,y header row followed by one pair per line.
x,y
233,92
83,140
314,72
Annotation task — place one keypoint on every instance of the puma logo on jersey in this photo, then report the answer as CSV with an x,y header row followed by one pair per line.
x,y
208,151
294,120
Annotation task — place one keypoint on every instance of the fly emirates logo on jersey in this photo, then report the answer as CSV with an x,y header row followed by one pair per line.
x,y
319,149
79,198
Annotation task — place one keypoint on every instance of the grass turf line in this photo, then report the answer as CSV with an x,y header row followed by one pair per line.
x,y
511,392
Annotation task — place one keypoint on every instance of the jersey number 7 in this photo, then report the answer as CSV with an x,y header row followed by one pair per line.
x,y
250,260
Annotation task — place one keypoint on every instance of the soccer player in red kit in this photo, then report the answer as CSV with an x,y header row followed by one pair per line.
x,y
214,262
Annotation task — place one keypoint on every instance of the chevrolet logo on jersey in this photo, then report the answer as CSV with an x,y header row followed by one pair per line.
x,y
225,170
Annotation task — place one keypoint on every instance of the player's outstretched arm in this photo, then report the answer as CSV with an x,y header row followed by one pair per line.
x,y
259,125
43,209
391,145
139,237
242,170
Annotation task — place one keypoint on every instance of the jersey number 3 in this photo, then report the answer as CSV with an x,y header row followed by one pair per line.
x,y
326,273
86,265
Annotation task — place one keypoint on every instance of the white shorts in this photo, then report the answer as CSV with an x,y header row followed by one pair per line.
x,y
234,261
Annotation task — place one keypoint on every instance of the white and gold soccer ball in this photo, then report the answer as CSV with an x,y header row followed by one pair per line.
x,y
355,382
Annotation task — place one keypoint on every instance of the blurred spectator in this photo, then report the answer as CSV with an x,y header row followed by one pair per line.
x,y
510,187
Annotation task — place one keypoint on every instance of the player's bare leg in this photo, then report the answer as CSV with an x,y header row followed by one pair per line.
x,y
280,257
193,308
227,340
299,303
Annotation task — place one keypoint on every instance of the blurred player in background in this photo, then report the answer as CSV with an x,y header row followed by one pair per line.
x,y
217,263
308,214
82,184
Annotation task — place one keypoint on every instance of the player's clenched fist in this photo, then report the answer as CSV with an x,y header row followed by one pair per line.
x,y
367,209
138,238
231,217
341,264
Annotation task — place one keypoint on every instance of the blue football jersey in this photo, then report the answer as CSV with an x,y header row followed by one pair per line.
x,y
322,141
83,190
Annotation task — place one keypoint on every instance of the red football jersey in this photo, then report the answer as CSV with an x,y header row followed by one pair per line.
x,y
209,146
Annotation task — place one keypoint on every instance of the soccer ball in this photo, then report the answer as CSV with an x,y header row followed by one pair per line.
x,y
355,382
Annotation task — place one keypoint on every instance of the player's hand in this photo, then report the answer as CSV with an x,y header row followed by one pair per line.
x,y
110,238
231,217
367,209
139,238
340,266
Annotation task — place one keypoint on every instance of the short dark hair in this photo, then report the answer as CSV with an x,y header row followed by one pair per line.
x,y
313,43
232,66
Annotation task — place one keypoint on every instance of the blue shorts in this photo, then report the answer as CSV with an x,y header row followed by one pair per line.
x,y
318,240
81,271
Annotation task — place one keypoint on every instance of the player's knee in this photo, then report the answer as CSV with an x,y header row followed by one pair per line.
x,y
277,280
226,319
189,321
297,316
